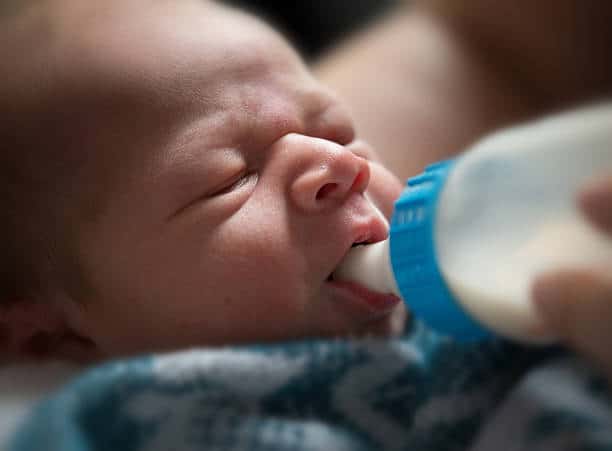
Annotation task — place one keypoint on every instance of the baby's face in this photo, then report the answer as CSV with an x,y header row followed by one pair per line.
x,y
235,187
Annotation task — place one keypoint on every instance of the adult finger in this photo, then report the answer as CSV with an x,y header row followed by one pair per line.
x,y
577,306
595,200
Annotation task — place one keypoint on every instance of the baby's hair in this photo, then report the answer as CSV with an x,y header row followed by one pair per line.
x,y
11,269
38,194
33,173
23,227
63,120
14,7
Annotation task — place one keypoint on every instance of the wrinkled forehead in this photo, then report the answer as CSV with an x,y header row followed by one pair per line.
x,y
166,52
114,60
120,74
174,44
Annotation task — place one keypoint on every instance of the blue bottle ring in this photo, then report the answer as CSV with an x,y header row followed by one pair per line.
x,y
414,261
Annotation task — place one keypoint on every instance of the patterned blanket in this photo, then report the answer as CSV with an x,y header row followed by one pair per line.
x,y
421,392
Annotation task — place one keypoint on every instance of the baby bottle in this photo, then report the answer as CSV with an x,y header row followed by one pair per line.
x,y
468,236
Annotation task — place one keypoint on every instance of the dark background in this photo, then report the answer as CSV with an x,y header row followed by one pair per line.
x,y
314,25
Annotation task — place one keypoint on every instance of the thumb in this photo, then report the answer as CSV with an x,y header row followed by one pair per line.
x,y
595,200
577,306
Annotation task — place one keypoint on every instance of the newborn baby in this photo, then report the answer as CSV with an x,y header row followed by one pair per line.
x,y
173,176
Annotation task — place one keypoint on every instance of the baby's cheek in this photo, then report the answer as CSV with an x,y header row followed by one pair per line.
x,y
384,188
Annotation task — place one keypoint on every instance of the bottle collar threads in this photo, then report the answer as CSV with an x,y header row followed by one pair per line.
x,y
414,261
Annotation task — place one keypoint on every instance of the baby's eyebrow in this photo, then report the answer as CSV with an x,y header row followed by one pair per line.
x,y
215,128
188,138
195,157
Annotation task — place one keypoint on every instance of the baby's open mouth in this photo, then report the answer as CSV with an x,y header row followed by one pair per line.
x,y
331,277
368,228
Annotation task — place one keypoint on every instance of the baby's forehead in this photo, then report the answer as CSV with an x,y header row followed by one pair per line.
x,y
97,73
114,54
143,48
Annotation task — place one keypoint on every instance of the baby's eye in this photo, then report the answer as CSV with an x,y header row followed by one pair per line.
x,y
241,180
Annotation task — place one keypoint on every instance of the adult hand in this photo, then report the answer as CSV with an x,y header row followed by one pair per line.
x,y
577,304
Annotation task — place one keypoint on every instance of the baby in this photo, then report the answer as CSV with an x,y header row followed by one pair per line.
x,y
173,176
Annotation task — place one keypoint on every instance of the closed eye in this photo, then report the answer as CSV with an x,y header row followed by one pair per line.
x,y
235,183
240,185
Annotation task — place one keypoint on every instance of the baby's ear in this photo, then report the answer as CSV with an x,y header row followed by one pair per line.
x,y
36,330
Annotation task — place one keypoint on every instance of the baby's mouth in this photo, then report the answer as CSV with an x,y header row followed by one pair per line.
x,y
376,302
370,226
331,277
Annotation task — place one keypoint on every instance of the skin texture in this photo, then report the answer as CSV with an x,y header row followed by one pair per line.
x,y
213,187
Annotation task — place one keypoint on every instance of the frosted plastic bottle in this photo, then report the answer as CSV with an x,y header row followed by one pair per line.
x,y
468,236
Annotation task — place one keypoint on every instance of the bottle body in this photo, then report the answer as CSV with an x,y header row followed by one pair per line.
x,y
480,229
508,213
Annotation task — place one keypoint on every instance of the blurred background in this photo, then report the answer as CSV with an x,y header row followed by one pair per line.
x,y
314,25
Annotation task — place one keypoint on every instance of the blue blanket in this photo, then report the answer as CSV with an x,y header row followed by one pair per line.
x,y
421,392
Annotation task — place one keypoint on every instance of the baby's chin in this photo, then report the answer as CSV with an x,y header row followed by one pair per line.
x,y
391,325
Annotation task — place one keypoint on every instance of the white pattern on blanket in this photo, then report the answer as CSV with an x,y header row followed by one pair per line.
x,y
420,392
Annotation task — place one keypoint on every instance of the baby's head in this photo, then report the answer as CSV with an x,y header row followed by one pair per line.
x,y
172,176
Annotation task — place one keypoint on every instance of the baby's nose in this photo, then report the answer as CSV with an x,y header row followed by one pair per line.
x,y
328,173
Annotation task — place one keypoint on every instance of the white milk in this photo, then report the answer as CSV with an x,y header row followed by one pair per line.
x,y
499,295
505,213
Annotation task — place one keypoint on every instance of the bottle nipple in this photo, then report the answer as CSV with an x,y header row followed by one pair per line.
x,y
369,265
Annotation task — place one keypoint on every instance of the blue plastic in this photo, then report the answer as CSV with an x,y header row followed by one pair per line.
x,y
414,262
